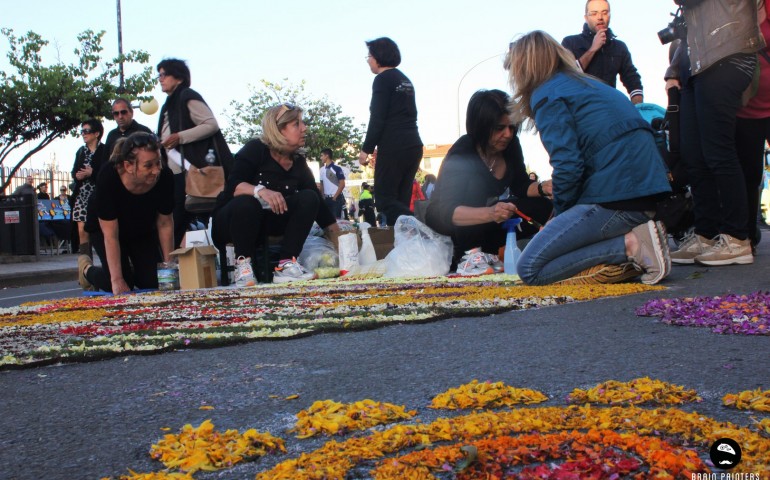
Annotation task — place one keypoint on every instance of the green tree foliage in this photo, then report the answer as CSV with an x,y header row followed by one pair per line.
x,y
327,126
40,103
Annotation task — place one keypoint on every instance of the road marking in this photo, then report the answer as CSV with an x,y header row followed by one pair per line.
x,y
41,294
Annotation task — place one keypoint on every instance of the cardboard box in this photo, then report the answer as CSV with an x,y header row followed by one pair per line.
x,y
197,266
382,239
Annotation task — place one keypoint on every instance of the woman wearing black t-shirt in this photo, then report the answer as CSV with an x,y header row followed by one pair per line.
x,y
130,219
392,130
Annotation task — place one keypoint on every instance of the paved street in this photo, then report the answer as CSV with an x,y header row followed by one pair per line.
x,y
86,421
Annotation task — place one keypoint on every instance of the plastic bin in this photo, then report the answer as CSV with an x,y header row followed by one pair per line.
x,y
18,225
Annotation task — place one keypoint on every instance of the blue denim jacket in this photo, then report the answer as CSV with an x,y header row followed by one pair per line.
x,y
601,149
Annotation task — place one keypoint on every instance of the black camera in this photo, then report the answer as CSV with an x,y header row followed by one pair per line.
x,y
677,29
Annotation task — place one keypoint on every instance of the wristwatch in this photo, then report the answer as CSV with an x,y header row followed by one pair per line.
x,y
539,190
262,201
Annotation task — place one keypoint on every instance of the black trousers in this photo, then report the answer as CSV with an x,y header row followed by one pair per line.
x,y
139,259
750,137
709,104
240,220
393,176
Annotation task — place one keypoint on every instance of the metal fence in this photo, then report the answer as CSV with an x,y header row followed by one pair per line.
x,y
55,179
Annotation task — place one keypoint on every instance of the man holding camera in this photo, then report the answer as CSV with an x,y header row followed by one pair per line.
x,y
601,54
713,67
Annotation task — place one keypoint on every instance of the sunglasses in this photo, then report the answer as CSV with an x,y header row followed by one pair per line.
x,y
163,75
118,113
286,107
86,131
139,140
63,190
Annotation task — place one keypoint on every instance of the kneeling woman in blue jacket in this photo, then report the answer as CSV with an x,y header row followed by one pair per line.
x,y
607,173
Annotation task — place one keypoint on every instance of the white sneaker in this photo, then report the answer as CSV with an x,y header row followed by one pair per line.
x,y
495,263
474,262
244,274
290,271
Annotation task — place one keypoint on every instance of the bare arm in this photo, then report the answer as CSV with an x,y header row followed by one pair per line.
x,y
466,216
112,249
165,225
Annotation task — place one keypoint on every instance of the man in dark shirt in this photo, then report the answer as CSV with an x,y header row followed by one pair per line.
x,y
123,114
601,54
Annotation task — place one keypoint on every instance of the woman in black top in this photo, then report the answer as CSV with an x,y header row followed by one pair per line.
x,y
392,130
88,161
130,218
271,187
482,166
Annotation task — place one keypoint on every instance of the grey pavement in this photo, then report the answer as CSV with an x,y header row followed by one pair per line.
x,y
27,270
86,421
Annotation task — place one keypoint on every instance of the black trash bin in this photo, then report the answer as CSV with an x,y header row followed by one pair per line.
x,y
18,225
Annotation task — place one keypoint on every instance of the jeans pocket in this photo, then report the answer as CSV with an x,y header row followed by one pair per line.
x,y
622,222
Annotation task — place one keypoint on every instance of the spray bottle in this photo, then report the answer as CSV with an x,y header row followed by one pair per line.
x,y
512,252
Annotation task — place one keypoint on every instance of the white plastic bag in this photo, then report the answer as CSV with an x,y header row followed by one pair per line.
x,y
418,251
366,256
318,252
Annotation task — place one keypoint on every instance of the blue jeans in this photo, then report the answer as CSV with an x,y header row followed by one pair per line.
x,y
580,238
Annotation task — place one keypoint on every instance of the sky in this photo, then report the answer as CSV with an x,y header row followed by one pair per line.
x,y
449,49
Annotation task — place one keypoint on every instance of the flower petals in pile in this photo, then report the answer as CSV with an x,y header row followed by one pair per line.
x,y
635,392
203,448
576,441
728,314
477,395
757,400
90,328
331,418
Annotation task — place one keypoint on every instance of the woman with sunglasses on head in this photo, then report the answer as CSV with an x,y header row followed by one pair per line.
x,y
188,130
271,187
480,167
607,173
88,161
130,219
392,131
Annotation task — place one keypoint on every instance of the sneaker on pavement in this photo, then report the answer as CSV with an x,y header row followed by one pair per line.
x,y
290,271
660,228
651,254
727,250
84,261
474,262
244,273
495,263
692,245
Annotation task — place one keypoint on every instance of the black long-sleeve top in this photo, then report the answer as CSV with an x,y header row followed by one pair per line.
x,y
392,113
464,180
253,164
611,60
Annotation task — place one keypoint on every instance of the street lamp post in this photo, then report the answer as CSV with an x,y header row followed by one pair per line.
x,y
460,83
120,50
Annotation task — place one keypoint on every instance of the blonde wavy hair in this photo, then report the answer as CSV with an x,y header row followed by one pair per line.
x,y
532,60
273,121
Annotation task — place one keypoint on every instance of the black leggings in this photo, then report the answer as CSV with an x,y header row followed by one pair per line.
x,y
240,220
750,137
139,259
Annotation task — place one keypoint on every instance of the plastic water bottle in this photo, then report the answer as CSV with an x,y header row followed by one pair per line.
x,y
211,158
512,252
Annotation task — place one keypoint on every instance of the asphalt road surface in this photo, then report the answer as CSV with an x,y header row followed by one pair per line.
x,y
87,421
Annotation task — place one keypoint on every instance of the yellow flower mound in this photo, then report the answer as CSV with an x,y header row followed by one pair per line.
x,y
61,316
477,395
331,418
749,400
635,392
203,448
